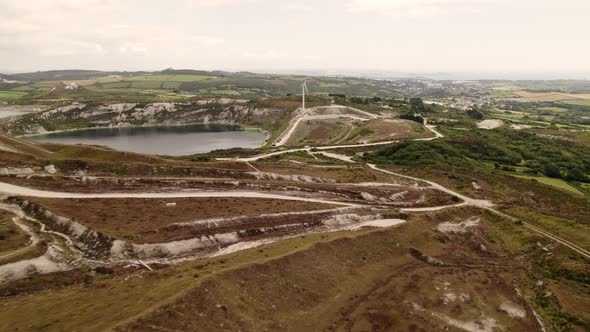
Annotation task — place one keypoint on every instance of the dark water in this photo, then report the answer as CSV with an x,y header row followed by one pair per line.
x,y
171,140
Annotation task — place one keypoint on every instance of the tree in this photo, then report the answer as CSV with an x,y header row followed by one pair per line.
x,y
412,117
356,100
552,171
417,105
474,114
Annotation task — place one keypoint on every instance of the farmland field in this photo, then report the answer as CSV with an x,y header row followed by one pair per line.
x,y
545,96
553,109
11,95
502,94
581,102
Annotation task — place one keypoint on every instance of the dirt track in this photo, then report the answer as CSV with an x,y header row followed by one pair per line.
x,y
12,190
484,204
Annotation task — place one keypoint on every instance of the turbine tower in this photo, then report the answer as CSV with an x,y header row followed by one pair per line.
x,y
304,90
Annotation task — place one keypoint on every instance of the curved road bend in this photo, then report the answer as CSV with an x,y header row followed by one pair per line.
x,y
484,204
13,190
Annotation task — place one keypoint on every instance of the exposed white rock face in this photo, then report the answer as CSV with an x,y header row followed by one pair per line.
x,y
155,108
46,263
459,228
123,249
347,219
133,114
63,109
50,169
16,171
72,86
105,109
290,177
513,310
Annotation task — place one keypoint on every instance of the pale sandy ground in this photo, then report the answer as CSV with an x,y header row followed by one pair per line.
x,y
490,124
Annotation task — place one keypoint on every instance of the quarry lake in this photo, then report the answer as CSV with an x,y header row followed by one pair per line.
x,y
168,140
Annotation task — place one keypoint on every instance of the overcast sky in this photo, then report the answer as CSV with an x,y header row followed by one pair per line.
x,y
398,35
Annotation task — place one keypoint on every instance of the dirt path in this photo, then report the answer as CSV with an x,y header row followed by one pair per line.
x,y
537,230
481,203
335,156
61,253
284,138
13,190
331,147
436,133
484,204
18,221
488,205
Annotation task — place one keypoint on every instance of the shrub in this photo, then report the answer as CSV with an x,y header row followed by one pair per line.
x,y
576,175
552,171
365,132
417,105
474,114
412,117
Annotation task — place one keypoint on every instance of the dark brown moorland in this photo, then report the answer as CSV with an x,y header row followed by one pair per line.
x,y
126,217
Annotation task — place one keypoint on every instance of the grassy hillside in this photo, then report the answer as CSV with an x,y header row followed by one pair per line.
x,y
343,280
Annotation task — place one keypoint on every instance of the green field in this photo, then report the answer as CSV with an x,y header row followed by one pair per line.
x,y
158,78
146,85
553,109
505,87
557,183
502,94
11,95
332,85
585,102
117,85
520,120
171,85
23,88
143,82
126,85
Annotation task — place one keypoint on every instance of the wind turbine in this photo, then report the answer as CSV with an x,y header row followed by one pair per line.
x,y
304,90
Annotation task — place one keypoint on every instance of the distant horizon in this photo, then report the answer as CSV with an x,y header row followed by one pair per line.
x,y
472,75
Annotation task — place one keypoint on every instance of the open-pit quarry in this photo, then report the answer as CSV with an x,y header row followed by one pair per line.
x,y
300,237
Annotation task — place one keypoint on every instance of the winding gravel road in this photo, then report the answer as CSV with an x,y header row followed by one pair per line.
x,y
289,132
13,190
484,204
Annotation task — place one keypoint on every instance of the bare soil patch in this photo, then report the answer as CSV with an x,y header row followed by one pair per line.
x,y
490,124
379,130
320,132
